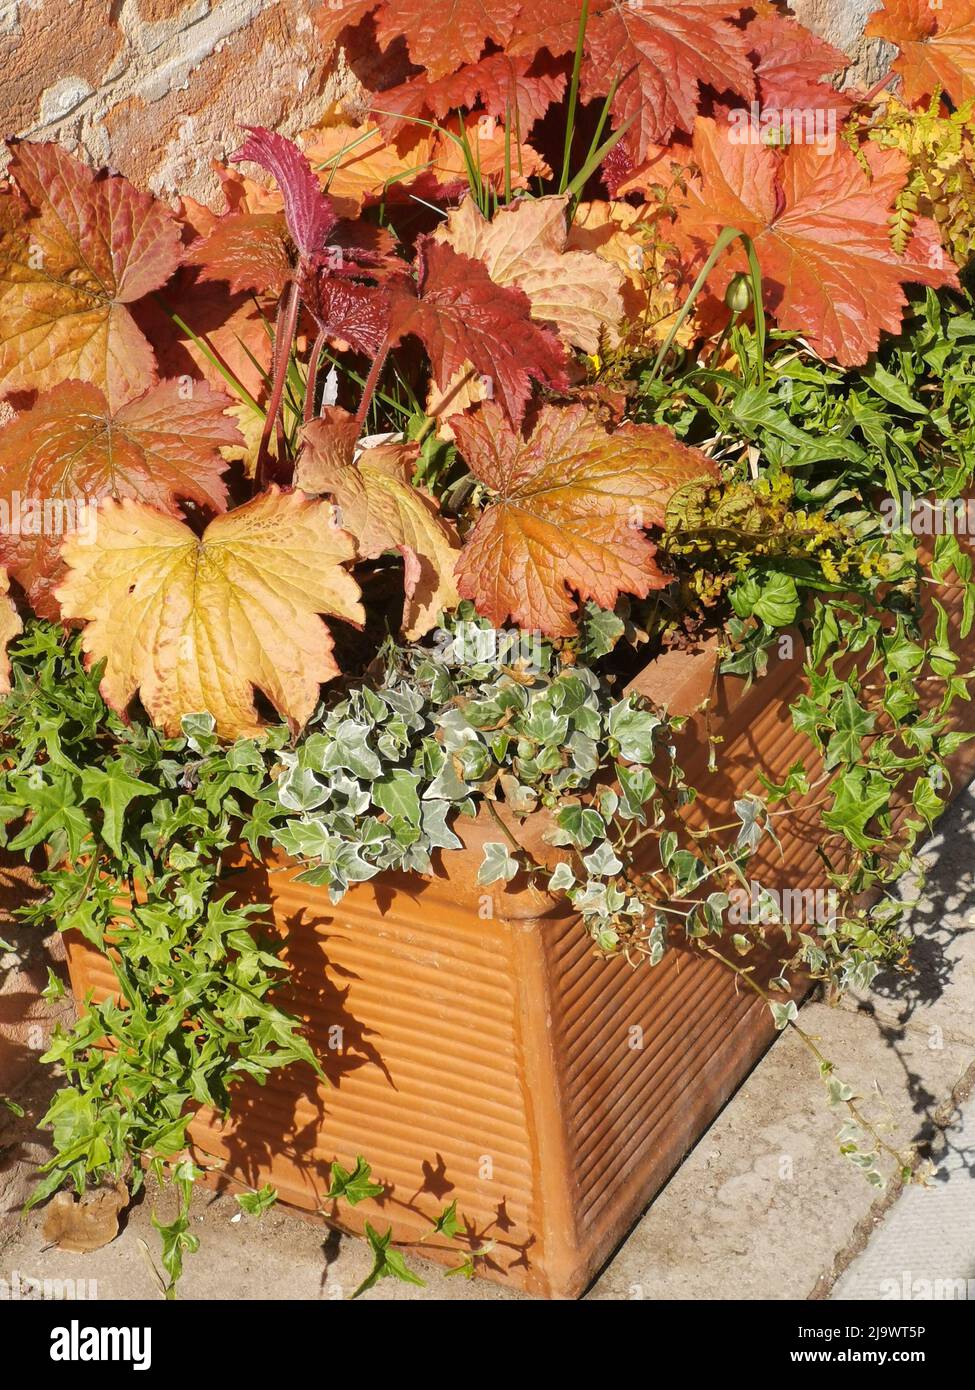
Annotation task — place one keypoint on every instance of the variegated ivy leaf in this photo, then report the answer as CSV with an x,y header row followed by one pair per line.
x,y
562,879
603,861
632,730
784,1014
498,863
577,826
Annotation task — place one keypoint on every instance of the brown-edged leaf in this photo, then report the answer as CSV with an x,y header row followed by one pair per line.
x,y
70,448
86,247
384,511
195,623
570,506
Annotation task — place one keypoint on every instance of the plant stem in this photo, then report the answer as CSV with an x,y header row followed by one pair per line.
x,y
283,338
311,382
372,380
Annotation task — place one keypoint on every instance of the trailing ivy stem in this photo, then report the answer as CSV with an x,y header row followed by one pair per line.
x,y
283,338
824,1063
372,380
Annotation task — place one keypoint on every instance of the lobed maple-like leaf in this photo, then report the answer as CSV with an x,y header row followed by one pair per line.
x,y
70,447
628,238
462,316
664,51
821,230
194,624
353,316
936,42
85,247
570,506
792,64
384,511
525,246
500,85
445,36
249,250
10,626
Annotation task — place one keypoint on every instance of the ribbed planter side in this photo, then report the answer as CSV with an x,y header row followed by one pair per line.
x,y
496,1059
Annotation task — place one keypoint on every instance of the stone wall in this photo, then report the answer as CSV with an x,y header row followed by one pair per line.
x,y
158,88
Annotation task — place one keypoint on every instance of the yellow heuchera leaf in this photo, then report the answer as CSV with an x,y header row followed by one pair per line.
x,y
624,236
384,511
526,246
10,626
194,623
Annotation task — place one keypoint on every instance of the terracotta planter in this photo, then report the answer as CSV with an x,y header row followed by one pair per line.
x,y
477,1049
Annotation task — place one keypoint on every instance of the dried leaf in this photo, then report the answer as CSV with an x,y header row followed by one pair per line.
x,y
571,504
86,1223
194,623
526,246
384,511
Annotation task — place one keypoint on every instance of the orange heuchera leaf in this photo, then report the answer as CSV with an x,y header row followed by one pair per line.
x,y
247,249
462,316
88,247
358,164
194,624
937,45
10,626
499,84
570,506
664,50
792,64
445,36
384,511
526,246
821,231
70,448
627,237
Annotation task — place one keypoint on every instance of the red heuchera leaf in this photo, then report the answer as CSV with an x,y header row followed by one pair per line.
x,y
307,208
444,36
937,44
70,447
496,84
91,246
463,317
821,231
247,249
667,48
352,315
571,504
791,65
551,24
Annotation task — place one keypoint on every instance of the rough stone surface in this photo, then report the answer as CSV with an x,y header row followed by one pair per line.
x,y
841,22
156,89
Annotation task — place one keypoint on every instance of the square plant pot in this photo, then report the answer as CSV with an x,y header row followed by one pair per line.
x,y
478,1049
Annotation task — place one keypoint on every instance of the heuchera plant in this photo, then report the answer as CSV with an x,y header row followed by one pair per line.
x,y
194,592
498,354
